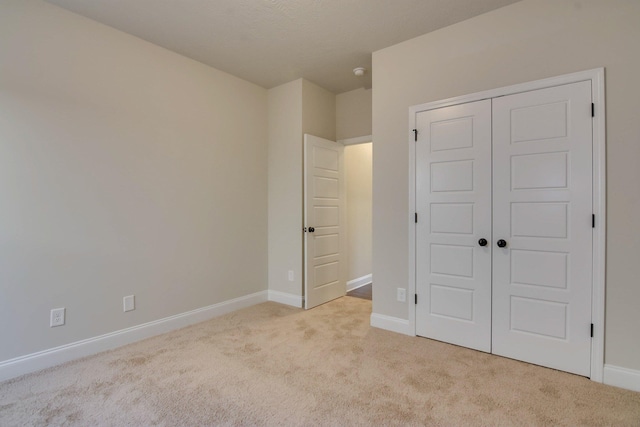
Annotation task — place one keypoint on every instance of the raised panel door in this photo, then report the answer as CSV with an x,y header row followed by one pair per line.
x,y
542,207
453,200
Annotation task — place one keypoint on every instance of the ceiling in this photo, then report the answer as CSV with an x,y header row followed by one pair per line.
x,y
271,42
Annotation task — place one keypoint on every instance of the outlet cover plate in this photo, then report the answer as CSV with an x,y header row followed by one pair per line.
x,y
57,317
129,303
402,295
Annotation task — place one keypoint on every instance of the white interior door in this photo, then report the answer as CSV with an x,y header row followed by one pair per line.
x,y
453,202
324,219
542,198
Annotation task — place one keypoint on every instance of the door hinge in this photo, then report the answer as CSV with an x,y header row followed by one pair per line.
x,y
593,109
415,134
593,221
416,218
592,330
416,298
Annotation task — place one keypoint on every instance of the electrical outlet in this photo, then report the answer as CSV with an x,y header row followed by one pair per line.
x,y
291,275
402,295
129,303
57,317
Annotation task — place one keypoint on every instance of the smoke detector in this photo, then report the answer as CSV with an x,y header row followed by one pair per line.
x,y
359,71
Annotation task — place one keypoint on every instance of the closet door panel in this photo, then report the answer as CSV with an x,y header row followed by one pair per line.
x,y
542,207
453,200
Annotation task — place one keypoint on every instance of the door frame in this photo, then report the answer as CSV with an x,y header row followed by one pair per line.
x,y
596,77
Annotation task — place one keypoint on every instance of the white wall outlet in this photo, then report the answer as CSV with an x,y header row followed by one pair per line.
x,y
402,295
291,275
57,317
129,303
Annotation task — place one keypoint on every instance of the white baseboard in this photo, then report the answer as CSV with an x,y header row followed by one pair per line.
x,y
622,377
65,353
286,298
393,324
359,282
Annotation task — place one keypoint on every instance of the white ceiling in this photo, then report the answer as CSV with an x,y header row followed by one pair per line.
x,y
271,42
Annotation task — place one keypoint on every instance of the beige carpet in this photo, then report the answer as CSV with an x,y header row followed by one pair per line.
x,y
276,365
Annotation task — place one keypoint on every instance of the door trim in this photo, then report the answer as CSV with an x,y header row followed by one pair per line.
x,y
596,77
356,140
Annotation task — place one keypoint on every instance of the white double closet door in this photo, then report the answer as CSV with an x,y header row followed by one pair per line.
x,y
504,240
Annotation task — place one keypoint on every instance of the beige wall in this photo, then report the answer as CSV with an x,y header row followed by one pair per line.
x,y
318,111
353,114
526,41
358,168
285,187
295,108
124,169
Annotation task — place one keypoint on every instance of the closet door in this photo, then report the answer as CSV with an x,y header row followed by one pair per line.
x,y
453,201
542,198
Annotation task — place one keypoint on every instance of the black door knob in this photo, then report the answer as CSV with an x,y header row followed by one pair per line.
x,y
482,242
311,229
502,243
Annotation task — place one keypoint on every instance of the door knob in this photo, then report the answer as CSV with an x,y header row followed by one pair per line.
x,y
311,229
502,243
482,242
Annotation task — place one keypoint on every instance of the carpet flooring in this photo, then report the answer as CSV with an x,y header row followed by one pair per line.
x,y
274,365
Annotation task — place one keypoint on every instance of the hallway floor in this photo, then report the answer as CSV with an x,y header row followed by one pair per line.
x,y
363,292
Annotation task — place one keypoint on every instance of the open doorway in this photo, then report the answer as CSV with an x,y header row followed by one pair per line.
x,y
358,177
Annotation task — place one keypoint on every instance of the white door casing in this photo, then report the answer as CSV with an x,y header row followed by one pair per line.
x,y
453,198
542,209
324,220
536,311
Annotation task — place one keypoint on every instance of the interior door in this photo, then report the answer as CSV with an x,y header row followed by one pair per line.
x,y
453,232
324,221
542,198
